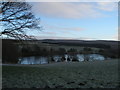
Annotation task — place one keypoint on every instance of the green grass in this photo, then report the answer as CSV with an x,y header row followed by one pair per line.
x,y
96,74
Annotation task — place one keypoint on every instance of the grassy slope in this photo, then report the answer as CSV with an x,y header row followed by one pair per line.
x,y
68,75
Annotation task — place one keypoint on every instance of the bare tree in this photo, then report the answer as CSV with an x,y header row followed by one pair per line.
x,y
17,18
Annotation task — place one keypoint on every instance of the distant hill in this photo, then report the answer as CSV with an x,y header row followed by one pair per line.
x,y
86,43
90,43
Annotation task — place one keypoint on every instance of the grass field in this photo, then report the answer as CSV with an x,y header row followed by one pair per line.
x,y
95,74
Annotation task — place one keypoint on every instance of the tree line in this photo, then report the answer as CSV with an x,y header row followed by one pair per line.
x,y
12,50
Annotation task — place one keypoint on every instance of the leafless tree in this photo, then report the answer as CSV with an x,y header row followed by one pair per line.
x,y
16,18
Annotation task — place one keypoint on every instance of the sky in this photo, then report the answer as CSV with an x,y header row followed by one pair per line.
x,y
77,20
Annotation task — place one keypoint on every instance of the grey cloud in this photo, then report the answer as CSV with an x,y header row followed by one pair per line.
x,y
66,10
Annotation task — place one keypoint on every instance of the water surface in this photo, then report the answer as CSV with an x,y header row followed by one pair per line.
x,y
58,58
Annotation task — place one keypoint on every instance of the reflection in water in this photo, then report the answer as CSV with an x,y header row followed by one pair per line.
x,y
91,57
96,57
57,58
80,57
33,60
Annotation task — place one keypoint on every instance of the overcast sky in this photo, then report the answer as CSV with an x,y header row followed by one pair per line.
x,y
77,20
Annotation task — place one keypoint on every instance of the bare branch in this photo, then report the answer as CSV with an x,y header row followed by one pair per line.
x,y
17,18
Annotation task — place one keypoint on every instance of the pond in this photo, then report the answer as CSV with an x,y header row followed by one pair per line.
x,y
58,58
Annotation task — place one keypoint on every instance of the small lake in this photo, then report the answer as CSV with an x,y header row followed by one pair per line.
x,y
58,58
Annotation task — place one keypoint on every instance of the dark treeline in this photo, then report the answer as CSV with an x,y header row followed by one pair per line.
x,y
35,50
81,44
12,50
